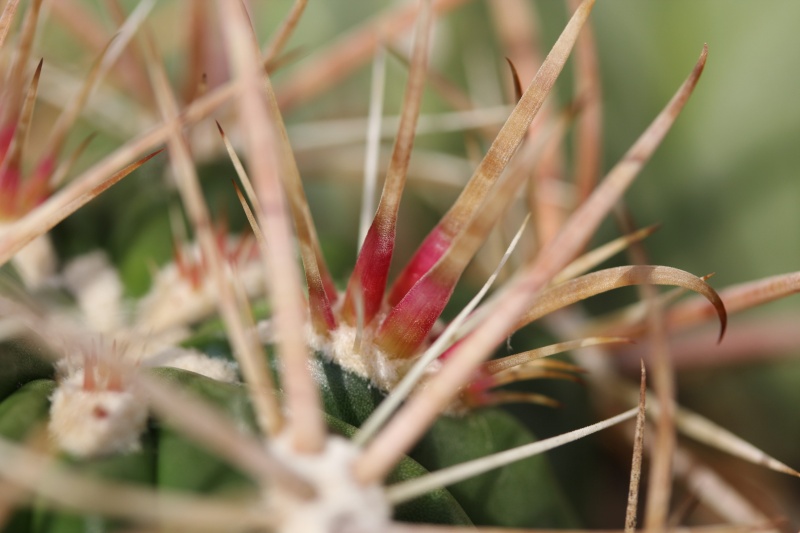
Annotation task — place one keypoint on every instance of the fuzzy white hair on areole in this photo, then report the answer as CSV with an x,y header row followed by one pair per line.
x,y
92,423
197,362
341,503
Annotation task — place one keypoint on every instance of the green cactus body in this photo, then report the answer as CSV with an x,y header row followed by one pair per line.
x,y
524,495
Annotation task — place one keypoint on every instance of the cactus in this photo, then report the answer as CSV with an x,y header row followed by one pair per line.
x,y
226,389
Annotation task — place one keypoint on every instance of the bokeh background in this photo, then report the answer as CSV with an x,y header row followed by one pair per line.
x,y
725,182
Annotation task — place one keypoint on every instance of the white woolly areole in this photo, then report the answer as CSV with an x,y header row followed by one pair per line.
x,y
341,504
173,302
98,290
94,423
361,358
197,362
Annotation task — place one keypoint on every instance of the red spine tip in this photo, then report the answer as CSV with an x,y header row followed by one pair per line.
x,y
370,274
430,251
409,323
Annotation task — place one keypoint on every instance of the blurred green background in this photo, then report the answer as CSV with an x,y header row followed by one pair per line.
x,y
725,183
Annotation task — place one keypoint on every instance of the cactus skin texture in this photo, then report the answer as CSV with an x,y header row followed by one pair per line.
x,y
168,460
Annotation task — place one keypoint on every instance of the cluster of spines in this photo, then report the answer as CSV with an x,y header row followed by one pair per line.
x,y
436,268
